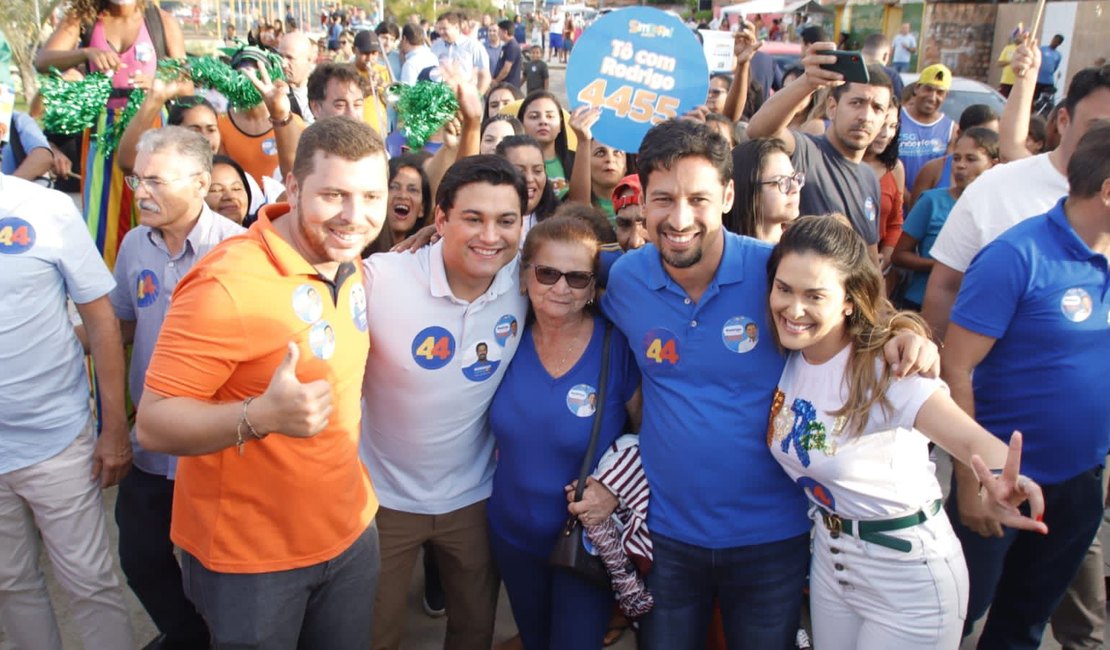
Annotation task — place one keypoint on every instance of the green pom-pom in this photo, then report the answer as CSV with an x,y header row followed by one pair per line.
x,y
73,106
110,140
213,73
424,109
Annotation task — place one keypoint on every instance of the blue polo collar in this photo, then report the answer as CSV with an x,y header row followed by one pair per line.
x,y
1066,235
729,271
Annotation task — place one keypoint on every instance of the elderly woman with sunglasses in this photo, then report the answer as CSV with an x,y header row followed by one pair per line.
x,y
542,417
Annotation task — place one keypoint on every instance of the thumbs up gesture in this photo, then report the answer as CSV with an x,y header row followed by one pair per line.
x,y
290,407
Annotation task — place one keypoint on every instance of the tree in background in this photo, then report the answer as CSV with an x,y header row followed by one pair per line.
x,y
24,25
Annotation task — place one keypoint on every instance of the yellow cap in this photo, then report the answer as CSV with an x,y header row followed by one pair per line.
x,y
937,76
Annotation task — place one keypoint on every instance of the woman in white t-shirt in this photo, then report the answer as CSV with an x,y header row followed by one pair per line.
x,y
888,572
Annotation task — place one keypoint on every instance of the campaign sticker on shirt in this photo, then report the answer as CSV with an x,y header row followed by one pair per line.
x,y
307,303
505,329
146,288
16,236
740,334
660,348
819,493
144,52
582,400
269,147
358,307
480,361
869,208
1076,305
433,348
321,339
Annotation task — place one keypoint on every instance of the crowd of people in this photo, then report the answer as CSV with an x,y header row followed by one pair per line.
x,y
763,319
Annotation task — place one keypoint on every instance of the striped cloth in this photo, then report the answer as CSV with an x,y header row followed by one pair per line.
x,y
109,208
620,471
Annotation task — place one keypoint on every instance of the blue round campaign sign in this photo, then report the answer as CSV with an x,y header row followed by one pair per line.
x,y
642,66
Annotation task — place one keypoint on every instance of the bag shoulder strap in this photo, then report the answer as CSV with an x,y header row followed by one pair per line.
x,y
153,18
602,389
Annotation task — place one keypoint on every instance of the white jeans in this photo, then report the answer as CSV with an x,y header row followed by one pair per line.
x,y
865,596
60,499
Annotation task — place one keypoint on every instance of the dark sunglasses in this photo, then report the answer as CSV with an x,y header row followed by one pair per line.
x,y
575,279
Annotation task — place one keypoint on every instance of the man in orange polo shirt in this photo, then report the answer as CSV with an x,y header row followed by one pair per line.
x,y
256,379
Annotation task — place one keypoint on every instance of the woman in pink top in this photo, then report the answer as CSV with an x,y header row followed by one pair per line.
x,y
126,39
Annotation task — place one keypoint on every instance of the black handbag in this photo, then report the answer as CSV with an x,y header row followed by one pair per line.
x,y
573,550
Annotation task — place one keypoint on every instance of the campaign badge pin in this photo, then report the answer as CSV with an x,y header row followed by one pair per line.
x,y
582,400
307,303
321,340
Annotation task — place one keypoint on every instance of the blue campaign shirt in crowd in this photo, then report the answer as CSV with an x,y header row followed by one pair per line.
x,y
923,224
1043,293
707,395
542,426
607,257
1050,61
146,275
919,143
47,255
30,136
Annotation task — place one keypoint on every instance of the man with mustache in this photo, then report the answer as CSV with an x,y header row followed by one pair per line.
x,y
257,379
927,133
171,177
836,179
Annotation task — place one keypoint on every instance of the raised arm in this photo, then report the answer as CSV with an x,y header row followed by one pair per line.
x,y
146,117
773,119
582,121
287,126
744,46
1013,126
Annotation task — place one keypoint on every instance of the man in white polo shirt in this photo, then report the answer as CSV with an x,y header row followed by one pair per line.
x,y
52,464
442,323
465,52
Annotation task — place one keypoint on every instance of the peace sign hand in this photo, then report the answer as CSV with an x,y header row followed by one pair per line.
x,y
275,93
1002,494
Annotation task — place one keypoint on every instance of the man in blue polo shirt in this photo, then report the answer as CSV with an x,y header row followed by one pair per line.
x,y
725,520
1031,320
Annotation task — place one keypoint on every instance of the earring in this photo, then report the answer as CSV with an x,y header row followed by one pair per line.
x,y
848,312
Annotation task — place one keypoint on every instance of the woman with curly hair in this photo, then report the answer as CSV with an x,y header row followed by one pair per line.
x,y
124,41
